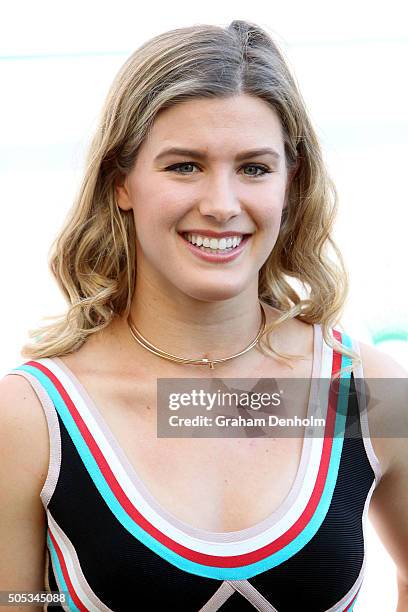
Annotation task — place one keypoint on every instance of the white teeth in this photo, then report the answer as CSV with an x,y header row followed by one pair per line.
x,y
213,243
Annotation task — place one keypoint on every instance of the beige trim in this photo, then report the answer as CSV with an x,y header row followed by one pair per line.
x,y
54,436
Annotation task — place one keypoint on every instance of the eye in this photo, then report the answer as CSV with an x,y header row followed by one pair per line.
x,y
177,168
264,169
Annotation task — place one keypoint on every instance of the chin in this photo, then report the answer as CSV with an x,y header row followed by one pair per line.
x,y
213,294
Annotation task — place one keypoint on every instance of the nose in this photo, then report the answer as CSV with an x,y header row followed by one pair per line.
x,y
220,201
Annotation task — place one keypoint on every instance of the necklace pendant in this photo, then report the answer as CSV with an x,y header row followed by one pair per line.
x,y
205,360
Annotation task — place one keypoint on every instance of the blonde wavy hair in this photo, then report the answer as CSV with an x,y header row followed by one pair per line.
x,y
93,259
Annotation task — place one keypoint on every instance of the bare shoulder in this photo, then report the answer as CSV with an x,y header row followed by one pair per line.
x,y
23,468
23,427
389,406
378,364
389,502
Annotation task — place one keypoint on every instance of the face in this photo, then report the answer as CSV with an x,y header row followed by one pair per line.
x,y
216,185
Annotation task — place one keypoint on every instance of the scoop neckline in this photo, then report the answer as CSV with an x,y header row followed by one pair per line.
x,y
206,535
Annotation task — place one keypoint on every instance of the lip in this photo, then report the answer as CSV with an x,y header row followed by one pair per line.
x,y
217,258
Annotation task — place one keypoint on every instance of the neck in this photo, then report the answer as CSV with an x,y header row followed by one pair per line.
x,y
191,328
213,330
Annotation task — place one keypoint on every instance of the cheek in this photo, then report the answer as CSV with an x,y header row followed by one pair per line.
x,y
161,201
151,209
269,211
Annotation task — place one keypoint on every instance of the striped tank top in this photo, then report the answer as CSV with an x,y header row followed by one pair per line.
x,y
112,546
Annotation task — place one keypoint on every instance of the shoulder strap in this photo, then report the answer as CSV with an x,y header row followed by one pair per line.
x,y
31,373
358,373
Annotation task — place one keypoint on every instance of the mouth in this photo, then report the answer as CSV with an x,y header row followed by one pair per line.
x,y
230,252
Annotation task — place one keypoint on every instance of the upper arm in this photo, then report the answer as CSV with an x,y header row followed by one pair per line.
x,y
24,452
388,509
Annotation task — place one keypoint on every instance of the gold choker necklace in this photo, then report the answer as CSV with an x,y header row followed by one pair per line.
x,y
204,361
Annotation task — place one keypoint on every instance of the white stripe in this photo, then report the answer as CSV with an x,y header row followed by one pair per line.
x,y
204,544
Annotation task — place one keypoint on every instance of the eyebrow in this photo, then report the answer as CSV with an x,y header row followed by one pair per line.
x,y
202,155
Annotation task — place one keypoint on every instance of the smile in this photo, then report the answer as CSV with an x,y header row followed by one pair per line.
x,y
208,249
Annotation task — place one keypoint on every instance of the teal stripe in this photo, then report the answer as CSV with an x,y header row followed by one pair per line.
x,y
71,605
237,573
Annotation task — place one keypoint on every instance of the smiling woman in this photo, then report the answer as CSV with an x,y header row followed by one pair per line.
x,y
201,236
218,193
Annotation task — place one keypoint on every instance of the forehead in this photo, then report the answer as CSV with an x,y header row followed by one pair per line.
x,y
243,120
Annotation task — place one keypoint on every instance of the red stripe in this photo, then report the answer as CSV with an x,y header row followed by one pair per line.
x,y
192,555
67,579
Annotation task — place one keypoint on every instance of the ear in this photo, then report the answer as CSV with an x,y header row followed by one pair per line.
x,y
122,193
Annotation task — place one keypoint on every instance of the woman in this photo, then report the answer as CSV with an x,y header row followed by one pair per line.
x,y
197,248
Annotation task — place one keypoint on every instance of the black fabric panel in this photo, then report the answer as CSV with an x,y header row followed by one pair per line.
x,y
324,570
119,568
237,603
122,571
